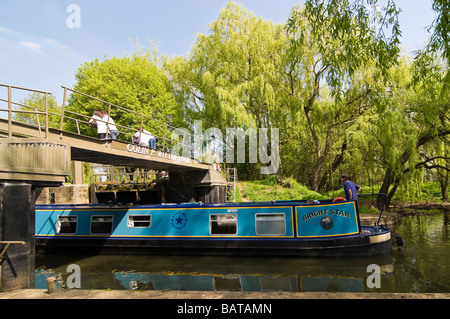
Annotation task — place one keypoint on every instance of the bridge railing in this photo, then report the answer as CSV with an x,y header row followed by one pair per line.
x,y
164,142
11,111
116,175
78,122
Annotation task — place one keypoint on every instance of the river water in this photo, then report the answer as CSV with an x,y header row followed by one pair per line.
x,y
420,266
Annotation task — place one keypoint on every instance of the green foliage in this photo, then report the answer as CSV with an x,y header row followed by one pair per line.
x,y
440,38
133,83
345,38
336,61
270,189
35,102
331,79
424,192
232,74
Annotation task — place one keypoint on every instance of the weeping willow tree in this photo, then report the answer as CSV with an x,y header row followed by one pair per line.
x,y
331,80
337,51
405,133
235,69
231,77
310,78
422,114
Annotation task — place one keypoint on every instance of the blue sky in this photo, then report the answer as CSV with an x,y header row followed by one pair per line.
x,y
38,50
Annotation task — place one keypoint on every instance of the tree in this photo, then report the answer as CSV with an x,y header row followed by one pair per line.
x,y
406,125
235,69
332,81
132,82
231,77
335,54
35,102
439,41
314,74
436,159
427,108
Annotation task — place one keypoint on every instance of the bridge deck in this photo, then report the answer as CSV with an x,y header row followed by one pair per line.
x,y
110,152
32,122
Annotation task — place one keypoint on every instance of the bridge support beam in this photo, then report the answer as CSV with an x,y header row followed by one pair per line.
x,y
77,172
17,227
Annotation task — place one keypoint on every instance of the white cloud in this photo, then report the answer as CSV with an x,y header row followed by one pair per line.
x,y
33,46
56,44
51,48
43,46
5,30
63,48
9,31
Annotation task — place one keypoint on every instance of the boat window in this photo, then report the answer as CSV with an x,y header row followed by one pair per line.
x,y
101,224
223,224
139,221
66,224
270,224
272,283
227,283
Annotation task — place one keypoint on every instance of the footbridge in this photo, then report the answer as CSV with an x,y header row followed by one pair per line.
x,y
60,125
107,151
35,131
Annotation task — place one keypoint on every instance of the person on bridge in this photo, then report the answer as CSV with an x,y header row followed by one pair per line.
x,y
113,132
146,138
97,119
103,122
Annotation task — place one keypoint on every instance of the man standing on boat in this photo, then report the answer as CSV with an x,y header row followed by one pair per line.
x,y
350,188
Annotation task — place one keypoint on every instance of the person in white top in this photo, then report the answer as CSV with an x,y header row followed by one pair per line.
x,y
104,122
101,125
147,139
113,132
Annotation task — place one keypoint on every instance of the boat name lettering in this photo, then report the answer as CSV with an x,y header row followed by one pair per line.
x,y
138,149
326,212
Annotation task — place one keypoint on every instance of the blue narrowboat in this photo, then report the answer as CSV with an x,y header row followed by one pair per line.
x,y
278,228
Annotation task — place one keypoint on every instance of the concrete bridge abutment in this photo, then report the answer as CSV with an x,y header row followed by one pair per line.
x,y
17,228
24,165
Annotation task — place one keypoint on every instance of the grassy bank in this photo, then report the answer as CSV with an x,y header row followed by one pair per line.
x,y
272,189
288,189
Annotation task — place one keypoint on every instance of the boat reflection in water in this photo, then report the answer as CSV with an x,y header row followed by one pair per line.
x,y
212,273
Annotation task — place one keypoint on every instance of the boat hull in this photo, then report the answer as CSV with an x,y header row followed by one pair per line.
x,y
341,247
